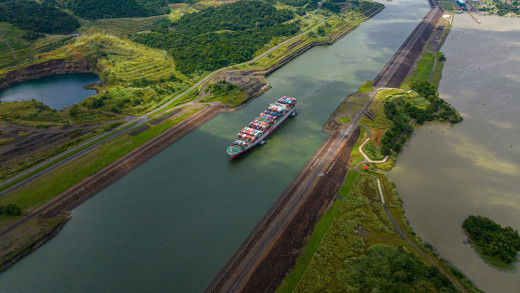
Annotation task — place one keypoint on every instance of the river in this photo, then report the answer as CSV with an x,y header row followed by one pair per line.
x,y
446,173
172,223
57,91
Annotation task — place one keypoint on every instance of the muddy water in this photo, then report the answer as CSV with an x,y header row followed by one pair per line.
x,y
171,224
446,173
57,91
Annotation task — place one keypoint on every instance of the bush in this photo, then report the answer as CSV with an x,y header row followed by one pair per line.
x,y
492,240
37,17
10,210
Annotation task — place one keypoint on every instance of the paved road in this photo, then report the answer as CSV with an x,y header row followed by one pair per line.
x,y
129,120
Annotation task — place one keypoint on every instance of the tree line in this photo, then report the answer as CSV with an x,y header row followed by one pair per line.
x,y
37,17
10,210
95,9
400,112
491,239
219,36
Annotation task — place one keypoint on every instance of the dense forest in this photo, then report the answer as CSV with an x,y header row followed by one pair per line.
x,y
32,16
493,241
220,36
400,112
95,9
389,269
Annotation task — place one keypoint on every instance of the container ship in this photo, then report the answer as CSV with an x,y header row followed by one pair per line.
x,y
262,126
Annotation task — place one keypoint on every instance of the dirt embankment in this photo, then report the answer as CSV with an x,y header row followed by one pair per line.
x,y
255,268
253,82
270,273
49,68
396,70
93,184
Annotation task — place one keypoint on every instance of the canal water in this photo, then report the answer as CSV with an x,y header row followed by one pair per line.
x,y
172,224
446,173
57,91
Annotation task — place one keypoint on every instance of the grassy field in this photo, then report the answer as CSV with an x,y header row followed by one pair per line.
x,y
31,113
14,167
423,70
381,123
449,5
437,72
354,247
291,281
120,27
26,234
52,184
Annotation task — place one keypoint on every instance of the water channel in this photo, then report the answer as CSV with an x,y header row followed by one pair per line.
x,y
446,173
57,91
171,224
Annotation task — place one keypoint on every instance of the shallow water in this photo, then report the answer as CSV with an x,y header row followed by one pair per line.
x,y
57,91
446,173
172,224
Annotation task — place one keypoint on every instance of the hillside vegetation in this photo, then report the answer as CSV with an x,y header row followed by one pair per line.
x,y
360,252
394,112
498,244
31,113
33,16
94,9
219,36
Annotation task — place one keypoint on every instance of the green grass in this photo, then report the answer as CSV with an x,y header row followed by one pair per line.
x,y
437,73
425,66
120,27
233,98
17,167
52,184
291,280
366,87
80,114
372,150
31,113
4,141
448,5
344,120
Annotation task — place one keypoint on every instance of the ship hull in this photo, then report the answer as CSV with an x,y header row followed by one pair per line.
x,y
265,135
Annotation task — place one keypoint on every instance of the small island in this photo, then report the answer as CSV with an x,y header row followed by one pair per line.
x,y
496,244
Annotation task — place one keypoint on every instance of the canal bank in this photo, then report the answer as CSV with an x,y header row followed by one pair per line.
x,y
446,173
153,207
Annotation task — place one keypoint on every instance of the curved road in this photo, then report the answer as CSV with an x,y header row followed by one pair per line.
x,y
395,223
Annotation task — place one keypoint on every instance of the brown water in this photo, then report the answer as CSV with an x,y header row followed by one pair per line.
x,y
446,173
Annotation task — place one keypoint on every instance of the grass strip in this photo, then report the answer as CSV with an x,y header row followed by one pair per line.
x,y
14,182
51,185
293,278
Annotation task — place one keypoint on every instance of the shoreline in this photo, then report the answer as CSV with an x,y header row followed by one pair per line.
x,y
254,266
80,192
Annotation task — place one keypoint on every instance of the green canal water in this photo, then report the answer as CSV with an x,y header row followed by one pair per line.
x,y
446,173
57,91
171,224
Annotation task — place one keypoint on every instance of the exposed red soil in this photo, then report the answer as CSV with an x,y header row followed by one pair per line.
x,y
378,137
